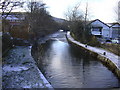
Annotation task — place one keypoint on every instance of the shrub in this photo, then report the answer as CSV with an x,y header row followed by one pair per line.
x,y
20,31
7,42
93,41
86,38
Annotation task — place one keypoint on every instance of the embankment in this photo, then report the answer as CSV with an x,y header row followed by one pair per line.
x,y
20,70
110,60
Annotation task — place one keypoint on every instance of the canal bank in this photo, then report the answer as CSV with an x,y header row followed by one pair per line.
x,y
109,59
65,66
19,70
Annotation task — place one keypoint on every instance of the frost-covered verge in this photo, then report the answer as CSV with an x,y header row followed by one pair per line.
x,y
112,60
20,70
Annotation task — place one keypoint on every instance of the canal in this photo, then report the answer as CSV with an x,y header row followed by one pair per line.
x,y
65,66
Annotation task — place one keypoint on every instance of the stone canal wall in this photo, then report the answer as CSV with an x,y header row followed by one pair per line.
x,y
110,60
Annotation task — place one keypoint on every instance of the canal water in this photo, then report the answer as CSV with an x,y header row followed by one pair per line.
x,y
65,66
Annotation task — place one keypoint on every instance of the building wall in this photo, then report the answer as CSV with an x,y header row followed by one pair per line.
x,y
105,29
106,32
115,31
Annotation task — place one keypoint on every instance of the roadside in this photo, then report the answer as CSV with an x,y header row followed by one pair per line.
x,y
20,70
109,58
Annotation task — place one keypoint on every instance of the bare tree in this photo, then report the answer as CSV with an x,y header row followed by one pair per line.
x,y
86,15
76,19
78,25
6,6
39,20
74,14
117,12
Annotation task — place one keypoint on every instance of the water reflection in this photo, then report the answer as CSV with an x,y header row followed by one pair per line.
x,y
68,67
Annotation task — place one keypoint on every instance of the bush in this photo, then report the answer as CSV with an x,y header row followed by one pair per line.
x,y
93,42
86,38
20,31
7,42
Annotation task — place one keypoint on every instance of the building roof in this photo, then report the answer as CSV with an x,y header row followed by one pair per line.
x,y
115,24
111,24
97,20
14,17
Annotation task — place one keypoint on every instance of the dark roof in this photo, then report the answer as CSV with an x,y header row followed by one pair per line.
x,y
99,21
115,24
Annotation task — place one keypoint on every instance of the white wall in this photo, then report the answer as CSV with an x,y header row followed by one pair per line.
x,y
96,33
106,32
105,29
115,31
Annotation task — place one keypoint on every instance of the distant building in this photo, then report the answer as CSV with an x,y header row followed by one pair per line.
x,y
115,28
100,29
103,30
15,19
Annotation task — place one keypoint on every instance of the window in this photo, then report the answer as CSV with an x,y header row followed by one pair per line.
x,y
98,29
116,28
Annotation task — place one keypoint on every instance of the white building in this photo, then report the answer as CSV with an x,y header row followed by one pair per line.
x,y
15,19
115,29
100,29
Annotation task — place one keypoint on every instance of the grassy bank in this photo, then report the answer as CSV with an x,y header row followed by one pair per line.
x,y
114,48
110,60
89,40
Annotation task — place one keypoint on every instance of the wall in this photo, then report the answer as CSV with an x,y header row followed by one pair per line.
x,y
115,31
105,29
108,63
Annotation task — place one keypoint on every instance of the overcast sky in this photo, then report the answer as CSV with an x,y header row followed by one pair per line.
x,y
98,9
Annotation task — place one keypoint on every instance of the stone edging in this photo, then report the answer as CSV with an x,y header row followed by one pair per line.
x,y
48,85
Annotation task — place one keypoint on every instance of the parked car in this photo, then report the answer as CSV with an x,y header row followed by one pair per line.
x,y
108,41
61,30
115,41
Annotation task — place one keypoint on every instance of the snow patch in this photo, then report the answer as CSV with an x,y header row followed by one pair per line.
x,y
26,86
18,68
44,79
